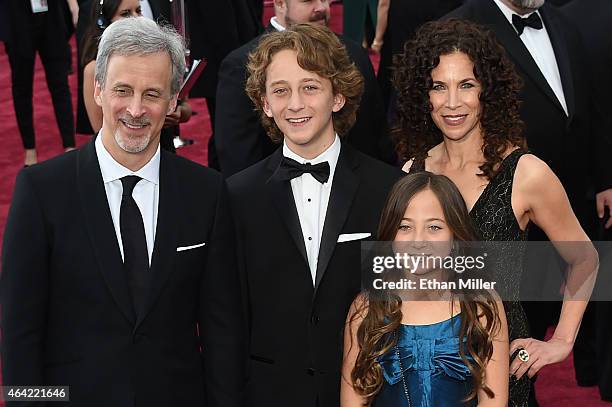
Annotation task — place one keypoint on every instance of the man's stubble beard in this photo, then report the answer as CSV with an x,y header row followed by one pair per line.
x,y
531,5
132,145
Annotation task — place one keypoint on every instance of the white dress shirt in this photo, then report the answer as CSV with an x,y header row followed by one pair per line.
x,y
146,10
311,200
277,26
146,191
539,46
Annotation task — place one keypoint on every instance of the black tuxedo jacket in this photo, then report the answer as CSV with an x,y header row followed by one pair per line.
x,y
216,28
67,317
576,151
296,327
240,139
405,17
592,18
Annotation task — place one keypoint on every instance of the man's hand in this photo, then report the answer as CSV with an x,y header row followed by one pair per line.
x,y
603,199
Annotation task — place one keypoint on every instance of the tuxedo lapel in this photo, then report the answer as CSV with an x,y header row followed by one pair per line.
x,y
559,44
164,248
344,187
282,197
100,228
508,37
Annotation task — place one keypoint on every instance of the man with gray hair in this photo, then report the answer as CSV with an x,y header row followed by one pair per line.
x,y
105,288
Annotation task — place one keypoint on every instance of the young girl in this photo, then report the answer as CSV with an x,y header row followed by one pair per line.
x,y
450,351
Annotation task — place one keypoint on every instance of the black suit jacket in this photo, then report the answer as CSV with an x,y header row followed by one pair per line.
x,y
576,151
216,28
66,312
296,328
592,18
405,17
240,138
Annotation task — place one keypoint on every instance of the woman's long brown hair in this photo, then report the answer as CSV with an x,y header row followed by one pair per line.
x,y
381,318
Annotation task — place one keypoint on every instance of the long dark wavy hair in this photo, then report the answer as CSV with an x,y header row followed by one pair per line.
x,y
415,131
89,43
381,318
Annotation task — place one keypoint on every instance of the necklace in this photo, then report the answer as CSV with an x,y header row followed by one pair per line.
x,y
397,353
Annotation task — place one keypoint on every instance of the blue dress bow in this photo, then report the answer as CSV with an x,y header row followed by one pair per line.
x,y
430,364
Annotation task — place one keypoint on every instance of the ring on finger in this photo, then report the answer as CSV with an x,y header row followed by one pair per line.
x,y
523,355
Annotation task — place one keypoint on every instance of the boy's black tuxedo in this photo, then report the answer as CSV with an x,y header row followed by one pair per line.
x,y
296,327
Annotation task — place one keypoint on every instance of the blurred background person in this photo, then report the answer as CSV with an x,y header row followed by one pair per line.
x,y
359,20
592,356
404,18
382,17
216,27
41,29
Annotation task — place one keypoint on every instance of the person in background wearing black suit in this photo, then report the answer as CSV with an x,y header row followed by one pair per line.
x,y
241,140
301,214
104,286
592,356
557,108
215,29
40,29
404,18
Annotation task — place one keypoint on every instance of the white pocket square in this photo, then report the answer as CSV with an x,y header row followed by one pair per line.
x,y
347,237
194,246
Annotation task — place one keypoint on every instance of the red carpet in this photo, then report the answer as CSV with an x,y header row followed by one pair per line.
x,y
556,386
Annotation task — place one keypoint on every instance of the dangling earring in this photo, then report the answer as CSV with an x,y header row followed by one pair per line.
x,y
101,21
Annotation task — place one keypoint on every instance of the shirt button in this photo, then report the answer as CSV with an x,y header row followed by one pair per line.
x,y
309,238
309,199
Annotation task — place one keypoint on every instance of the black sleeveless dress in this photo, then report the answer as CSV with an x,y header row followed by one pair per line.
x,y
494,220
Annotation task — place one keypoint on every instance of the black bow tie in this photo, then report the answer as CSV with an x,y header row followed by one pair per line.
x,y
290,169
532,21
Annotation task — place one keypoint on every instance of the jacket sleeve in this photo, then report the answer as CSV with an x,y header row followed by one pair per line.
x,y
240,139
221,322
24,288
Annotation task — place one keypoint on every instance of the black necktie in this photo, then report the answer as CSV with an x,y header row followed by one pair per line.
x,y
290,169
532,21
135,254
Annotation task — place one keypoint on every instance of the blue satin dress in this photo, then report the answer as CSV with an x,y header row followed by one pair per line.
x,y
433,372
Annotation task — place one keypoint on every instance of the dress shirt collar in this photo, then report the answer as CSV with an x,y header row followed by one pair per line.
x,y
508,12
277,26
330,155
112,170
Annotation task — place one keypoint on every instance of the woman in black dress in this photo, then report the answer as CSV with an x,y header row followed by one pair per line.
x,y
458,115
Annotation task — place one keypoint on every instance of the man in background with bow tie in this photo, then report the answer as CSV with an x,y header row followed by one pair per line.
x,y
301,214
562,125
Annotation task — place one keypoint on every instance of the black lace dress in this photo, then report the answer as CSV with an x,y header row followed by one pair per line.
x,y
494,220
